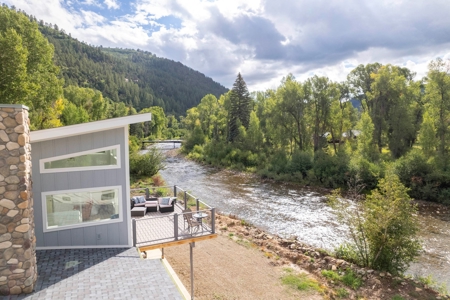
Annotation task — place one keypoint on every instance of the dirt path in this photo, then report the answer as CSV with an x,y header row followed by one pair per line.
x,y
224,269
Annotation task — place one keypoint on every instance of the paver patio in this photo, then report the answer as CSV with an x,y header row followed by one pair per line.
x,y
113,273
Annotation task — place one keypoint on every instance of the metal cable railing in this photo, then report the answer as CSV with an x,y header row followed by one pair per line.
x,y
155,229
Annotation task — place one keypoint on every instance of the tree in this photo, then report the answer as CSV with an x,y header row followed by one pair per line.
x,y
292,104
73,114
323,93
157,125
254,134
438,103
365,146
90,100
383,228
391,111
240,108
427,135
360,83
27,73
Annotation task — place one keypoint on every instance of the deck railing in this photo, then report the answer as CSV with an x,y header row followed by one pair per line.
x,y
157,229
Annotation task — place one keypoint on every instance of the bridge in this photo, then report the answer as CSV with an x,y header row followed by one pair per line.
x,y
162,142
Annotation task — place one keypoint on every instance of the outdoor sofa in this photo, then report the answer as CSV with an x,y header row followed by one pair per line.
x,y
165,204
151,204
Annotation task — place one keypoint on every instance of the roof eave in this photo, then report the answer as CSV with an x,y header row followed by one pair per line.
x,y
85,128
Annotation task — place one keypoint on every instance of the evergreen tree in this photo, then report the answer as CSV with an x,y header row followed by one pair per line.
x,y
240,107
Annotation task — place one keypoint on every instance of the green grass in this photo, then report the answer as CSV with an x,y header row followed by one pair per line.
x,y
332,275
350,279
342,293
301,282
398,297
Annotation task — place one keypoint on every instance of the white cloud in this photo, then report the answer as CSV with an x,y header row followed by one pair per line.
x,y
111,4
91,18
91,3
263,39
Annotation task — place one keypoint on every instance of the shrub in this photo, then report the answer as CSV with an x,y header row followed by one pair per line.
x,y
383,228
278,162
366,171
331,170
413,169
301,162
147,164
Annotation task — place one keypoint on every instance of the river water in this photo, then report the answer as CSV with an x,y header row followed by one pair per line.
x,y
289,210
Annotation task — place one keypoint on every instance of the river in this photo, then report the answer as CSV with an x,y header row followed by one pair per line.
x,y
289,210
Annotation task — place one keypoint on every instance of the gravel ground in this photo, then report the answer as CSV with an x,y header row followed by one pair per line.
x,y
225,269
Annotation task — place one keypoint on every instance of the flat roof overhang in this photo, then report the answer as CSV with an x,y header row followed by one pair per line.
x,y
84,128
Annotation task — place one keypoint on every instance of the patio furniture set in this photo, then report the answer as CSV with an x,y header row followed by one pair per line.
x,y
140,205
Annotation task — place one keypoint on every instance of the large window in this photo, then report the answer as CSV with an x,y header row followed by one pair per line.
x,y
96,159
79,208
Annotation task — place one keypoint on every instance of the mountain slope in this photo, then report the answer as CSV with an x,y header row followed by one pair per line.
x,y
134,77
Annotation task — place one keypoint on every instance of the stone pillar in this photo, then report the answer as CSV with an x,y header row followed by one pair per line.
x,y
18,271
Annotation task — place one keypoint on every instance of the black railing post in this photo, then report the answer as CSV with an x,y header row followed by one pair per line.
x,y
134,232
175,191
213,220
185,200
198,204
175,226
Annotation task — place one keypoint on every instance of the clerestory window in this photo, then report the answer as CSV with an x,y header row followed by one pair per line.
x,y
95,159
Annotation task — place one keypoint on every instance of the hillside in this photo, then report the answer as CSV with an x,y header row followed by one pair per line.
x,y
135,77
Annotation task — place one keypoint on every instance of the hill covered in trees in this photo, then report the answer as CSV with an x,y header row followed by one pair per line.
x,y
135,77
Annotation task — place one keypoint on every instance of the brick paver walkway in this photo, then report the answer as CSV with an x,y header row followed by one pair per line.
x,y
116,273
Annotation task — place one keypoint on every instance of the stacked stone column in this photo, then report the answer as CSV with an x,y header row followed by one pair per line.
x,y
18,271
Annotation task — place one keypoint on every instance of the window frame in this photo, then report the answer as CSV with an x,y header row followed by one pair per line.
x,y
82,224
42,162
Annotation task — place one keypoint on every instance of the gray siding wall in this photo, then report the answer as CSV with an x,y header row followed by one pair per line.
x,y
111,234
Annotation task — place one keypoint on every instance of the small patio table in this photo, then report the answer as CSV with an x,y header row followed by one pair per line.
x,y
199,216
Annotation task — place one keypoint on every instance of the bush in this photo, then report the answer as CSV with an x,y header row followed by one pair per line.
x,y
147,164
301,162
424,179
383,228
413,169
278,162
366,171
331,170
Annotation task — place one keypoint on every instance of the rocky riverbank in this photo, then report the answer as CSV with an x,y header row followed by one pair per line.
x,y
375,284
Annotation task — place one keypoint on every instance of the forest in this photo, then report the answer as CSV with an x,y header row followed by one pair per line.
x,y
311,133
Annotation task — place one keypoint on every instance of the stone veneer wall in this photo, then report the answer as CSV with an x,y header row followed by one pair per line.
x,y
18,271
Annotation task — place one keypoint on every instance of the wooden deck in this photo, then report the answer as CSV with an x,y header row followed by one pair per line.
x,y
160,230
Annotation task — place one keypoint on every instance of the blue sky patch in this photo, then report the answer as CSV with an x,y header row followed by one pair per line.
x,y
170,22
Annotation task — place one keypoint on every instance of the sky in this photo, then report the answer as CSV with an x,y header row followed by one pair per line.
x,y
264,40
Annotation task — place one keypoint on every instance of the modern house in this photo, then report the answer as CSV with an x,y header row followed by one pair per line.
x,y
65,192
81,184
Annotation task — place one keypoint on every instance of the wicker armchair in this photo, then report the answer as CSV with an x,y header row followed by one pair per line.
x,y
166,204
193,224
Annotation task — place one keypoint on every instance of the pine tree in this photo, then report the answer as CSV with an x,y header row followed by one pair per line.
x,y
240,108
